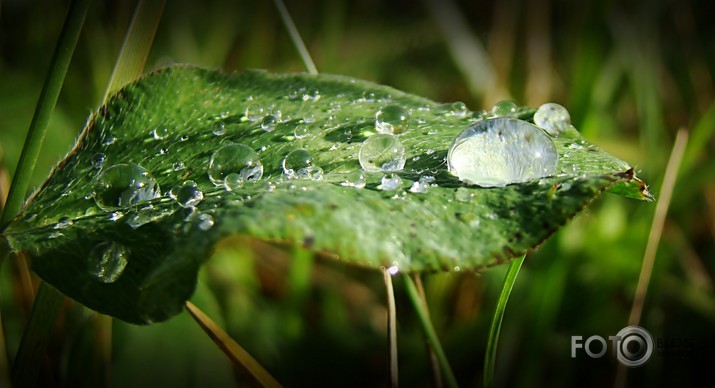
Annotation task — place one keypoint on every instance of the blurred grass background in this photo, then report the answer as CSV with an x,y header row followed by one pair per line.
x,y
630,75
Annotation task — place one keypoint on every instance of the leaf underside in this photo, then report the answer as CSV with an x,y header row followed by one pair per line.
x,y
61,225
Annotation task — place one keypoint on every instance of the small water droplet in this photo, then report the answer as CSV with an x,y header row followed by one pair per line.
x,y
253,112
187,194
109,140
355,179
504,108
63,222
114,216
178,166
382,152
553,118
392,119
269,123
457,269
124,185
458,109
497,152
219,128
299,164
184,138
463,194
107,261
390,182
301,130
159,133
205,221
235,158
422,185
98,161
393,270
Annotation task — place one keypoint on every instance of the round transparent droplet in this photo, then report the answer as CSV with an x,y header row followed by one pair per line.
x,y
464,194
159,133
187,194
392,119
299,164
355,179
497,152
553,118
382,152
63,222
390,182
235,159
178,166
269,123
124,185
301,130
253,112
458,109
422,185
98,160
219,128
504,108
205,221
107,261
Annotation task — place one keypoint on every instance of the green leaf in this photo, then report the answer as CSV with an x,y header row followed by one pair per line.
x,y
172,121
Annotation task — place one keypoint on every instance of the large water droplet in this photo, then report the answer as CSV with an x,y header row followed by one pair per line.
x,y
501,151
299,164
504,108
159,133
107,261
392,119
235,158
187,194
382,152
553,118
124,185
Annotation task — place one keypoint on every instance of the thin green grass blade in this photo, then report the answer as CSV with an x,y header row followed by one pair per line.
x,y
37,332
490,358
136,46
295,37
45,105
429,331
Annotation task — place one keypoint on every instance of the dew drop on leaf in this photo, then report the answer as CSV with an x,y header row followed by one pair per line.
x,y
205,221
553,118
269,123
235,158
504,108
299,164
390,182
124,185
187,194
382,152
497,152
392,119
355,179
107,261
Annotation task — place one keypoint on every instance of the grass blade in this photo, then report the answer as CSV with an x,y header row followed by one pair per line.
x,y
136,46
656,230
429,331
295,37
490,358
45,105
436,374
231,348
391,327
37,332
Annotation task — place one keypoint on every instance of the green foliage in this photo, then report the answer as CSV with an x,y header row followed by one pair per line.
x,y
171,123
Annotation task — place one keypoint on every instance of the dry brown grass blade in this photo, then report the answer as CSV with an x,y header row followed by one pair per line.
x,y
231,348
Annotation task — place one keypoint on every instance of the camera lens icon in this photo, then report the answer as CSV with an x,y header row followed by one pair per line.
x,y
635,346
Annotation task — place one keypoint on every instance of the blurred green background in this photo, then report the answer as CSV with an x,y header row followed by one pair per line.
x,y
630,74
